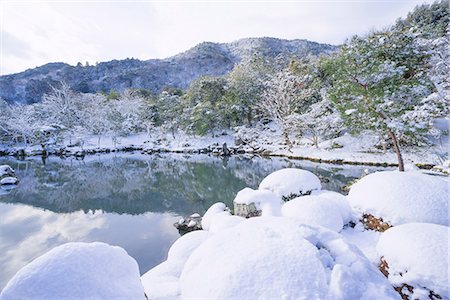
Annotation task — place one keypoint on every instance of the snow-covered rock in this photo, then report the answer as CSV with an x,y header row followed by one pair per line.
x,y
217,208
315,211
162,282
402,197
417,254
275,258
252,203
78,271
6,171
9,181
290,183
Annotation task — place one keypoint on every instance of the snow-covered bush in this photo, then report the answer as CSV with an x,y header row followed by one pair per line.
x,y
401,197
78,271
275,258
415,259
290,183
315,211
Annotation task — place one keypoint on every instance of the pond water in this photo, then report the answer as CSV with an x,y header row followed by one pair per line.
x,y
129,200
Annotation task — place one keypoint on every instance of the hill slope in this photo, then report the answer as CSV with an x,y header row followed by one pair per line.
x,y
213,59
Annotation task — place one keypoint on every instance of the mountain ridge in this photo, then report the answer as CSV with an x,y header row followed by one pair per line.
x,y
204,59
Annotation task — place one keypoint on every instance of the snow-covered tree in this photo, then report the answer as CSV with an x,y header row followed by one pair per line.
x,y
379,79
170,110
286,95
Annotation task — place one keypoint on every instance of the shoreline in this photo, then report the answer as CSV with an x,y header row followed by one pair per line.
x,y
213,150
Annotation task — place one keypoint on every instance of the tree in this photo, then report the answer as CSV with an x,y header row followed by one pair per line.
x,y
376,80
286,95
65,108
170,109
202,100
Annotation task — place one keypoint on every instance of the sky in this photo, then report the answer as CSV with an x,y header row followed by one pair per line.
x,y
34,32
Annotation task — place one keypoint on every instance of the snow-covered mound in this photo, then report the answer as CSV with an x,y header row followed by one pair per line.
x,y
217,208
339,200
314,210
9,181
275,258
6,171
263,202
417,254
290,183
163,280
78,271
402,197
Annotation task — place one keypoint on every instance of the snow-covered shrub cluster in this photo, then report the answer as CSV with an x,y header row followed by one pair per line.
x,y
310,247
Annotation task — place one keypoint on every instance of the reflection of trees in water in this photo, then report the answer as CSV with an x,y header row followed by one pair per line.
x,y
135,184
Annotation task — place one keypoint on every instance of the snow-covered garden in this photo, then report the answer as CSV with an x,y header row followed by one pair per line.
x,y
387,239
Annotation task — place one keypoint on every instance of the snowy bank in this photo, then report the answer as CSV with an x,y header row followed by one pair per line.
x,y
78,271
401,197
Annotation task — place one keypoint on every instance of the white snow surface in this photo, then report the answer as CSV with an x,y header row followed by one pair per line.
x,y
286,182
315,211
78,271
339,200
418,251
6,170
162,282
217,208
275,258
9,180
264,200
402,197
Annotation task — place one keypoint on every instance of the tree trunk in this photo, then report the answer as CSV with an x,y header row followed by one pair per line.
x,y
401,166
286,139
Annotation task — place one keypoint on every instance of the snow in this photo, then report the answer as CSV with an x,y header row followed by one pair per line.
x,y
217,208
365,240
417,254
402,197
299,262
315,211
9,180
78,271
224,221
161,282
6,170
290,181
339,200
264,200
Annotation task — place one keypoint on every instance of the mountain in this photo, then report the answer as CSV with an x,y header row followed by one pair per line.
x,y
212,59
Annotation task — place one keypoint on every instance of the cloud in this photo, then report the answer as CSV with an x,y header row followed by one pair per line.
x,y
38,32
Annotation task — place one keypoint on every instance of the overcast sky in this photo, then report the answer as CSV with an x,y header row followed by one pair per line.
x,y
37,32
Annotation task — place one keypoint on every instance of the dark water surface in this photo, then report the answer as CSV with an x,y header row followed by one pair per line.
x,y
129,200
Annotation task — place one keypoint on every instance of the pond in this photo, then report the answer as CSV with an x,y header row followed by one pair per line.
x,y
129,200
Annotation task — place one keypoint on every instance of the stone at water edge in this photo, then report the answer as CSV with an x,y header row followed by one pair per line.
x,y
9,181
188,224
251,203
6,171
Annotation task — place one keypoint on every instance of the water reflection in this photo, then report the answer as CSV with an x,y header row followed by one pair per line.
x,y
128,200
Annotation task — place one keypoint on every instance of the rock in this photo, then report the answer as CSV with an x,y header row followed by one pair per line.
x,y
251,203
9,181
188,224
6,171
225,151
